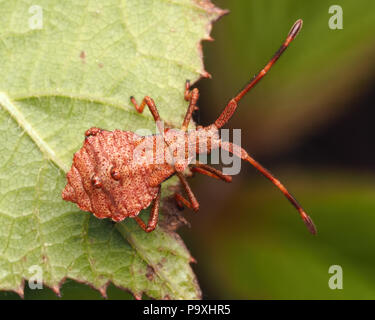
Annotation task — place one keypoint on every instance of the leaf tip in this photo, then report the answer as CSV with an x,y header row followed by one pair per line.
x,y
20,291
192,260
137,295
206,75
56,290
213,13
103,291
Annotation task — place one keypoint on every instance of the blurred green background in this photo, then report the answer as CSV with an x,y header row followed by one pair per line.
x,y
310,121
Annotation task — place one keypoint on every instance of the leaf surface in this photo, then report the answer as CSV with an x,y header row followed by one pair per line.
x,y
76,72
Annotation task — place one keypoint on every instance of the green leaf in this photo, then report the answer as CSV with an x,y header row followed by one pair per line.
x,y
76,72
312,83
269,251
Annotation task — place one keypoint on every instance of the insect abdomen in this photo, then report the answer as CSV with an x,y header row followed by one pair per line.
x,y
105,180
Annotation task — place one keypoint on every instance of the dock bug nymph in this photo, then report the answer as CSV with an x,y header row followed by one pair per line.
x,y
105,179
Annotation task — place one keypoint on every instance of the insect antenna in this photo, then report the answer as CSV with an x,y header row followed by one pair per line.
x,y
232,105
241,153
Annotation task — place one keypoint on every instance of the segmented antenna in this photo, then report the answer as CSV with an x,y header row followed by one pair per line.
x,y
232,105
241,153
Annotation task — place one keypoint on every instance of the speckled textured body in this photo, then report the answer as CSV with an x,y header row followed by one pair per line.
x,y
123,194
116,173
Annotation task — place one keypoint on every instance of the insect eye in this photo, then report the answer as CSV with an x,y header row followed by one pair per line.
x,y
96,182
115,173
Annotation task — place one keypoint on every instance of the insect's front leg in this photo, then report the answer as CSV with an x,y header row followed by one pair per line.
x,y
153,109
138,107
187,90
192,96
146,101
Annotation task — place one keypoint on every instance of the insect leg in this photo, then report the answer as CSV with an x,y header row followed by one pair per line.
x,y
137,107
191,196
154,215
181,201
241,153
193,98
151,105
210,171
187,90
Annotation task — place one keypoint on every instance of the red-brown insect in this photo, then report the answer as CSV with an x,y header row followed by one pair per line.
x,y
108,181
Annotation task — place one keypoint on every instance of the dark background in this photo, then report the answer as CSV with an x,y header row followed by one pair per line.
x,y
310,121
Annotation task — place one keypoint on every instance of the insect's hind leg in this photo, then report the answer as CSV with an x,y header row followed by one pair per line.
x,y
181,201
154,215
210,171
193,200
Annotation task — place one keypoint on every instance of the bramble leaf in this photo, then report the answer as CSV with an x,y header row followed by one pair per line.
x,y
73,69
